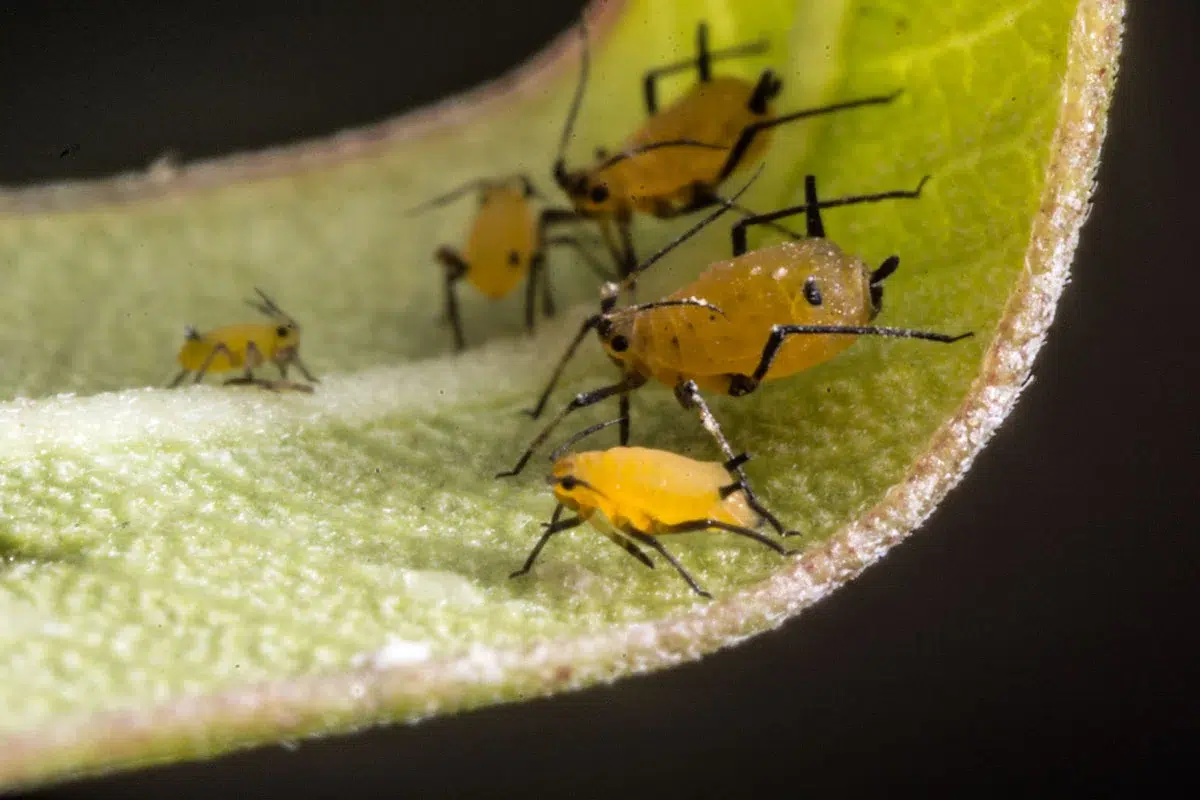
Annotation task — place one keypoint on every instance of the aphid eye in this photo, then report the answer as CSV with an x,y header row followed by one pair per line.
x,y
619,343
599,193
569,483
812,292
281,331
514,258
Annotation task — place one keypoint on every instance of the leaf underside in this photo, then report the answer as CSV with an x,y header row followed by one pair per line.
x,y
163,545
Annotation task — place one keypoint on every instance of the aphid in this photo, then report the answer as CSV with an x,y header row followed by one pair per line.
x,y
635,495
507,242
675,163
763,315
246,347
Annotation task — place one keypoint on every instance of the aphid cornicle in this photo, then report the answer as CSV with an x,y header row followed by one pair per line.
x,y
634,495
763,315
676,161
507,242
246,347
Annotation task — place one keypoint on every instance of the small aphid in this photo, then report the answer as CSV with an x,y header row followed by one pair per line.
x,y
506,244
246,347
763,315
676,161
634,495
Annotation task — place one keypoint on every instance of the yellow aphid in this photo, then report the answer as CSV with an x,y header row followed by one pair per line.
x,y
675,163
763,315
506,244
633,495
244,348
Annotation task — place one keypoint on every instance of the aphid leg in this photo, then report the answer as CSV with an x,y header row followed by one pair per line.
x,y
704,197
555,525
655,544
178,379
219,347
743,385
716,524
612,242
558,216
815,227
624,412
308,376
629,260
253,359
536,265
455,269
631,548
583,400
690,398
703,56
548,307
726,205
588,324
588,257
702,63
738,151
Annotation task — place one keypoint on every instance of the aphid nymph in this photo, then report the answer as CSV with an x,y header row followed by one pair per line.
x,y
636,495
246,347
506,244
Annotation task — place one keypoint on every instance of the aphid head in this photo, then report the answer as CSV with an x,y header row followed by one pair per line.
x,y
287,330
615,330
588,195
592,193
875,283
569,489
287,337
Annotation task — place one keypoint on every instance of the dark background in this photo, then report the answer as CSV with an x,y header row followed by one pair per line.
x,y
1039,630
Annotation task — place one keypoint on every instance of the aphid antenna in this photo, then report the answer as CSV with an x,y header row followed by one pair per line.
x,y
560,161
570,482
269,308
474,184
686,301
190,333
726,205
646,148
581,435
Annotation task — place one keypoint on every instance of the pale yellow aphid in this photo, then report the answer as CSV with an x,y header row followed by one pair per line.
x,y
634,495
246,347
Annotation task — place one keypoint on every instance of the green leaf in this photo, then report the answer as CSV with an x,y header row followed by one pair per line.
x,y
191,571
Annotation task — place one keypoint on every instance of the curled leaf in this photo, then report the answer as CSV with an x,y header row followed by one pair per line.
x,y
192,571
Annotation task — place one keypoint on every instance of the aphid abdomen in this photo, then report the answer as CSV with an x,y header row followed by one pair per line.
x,y
712,113
776,285
703,345
225,349
501,243
654,489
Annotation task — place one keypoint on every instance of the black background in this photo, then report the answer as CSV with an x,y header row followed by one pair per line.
x,y
1040,630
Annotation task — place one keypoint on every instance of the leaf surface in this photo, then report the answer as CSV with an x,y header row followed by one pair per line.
x,y
189,571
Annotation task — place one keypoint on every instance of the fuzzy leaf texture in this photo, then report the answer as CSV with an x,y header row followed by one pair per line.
x,y
186,572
